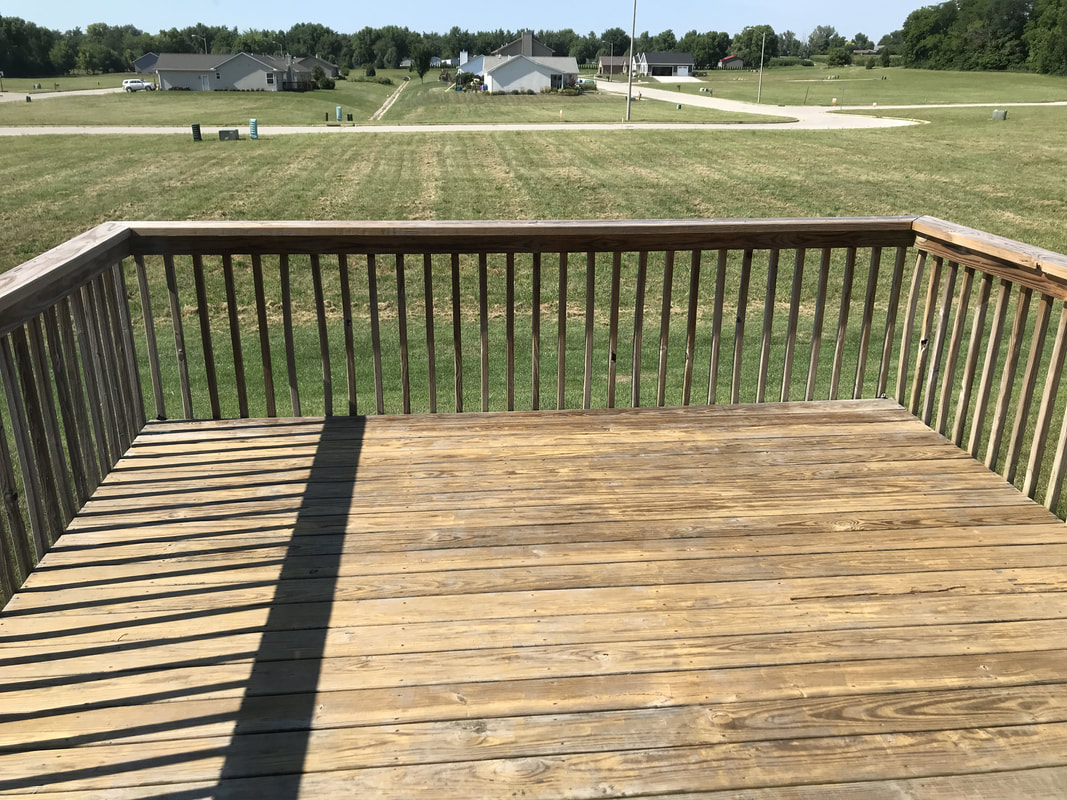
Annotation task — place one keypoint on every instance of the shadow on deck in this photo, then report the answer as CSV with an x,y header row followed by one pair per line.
x,y
801,600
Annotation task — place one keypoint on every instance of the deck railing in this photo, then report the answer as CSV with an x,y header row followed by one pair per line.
x,y
213,320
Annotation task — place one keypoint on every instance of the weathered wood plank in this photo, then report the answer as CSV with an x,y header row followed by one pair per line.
x,y
264,336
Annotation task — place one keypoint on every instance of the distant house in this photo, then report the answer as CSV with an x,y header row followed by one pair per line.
x,y
521,73
612,65
146,64
310,62
238,72
664,64
731,62
525,45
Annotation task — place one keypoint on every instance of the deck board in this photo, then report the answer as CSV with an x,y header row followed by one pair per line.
x,y
798,600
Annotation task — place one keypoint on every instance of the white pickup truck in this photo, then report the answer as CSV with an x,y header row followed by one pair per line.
x,y
137,84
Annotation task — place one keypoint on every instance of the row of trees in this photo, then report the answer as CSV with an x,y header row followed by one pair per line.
x,y
959,34
988,34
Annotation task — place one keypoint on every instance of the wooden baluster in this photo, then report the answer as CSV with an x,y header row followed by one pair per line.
x,y
264,336
128,350
794,317
483,318
909,322
61,329
21,557
49,419
431,354
114,413
205,337
949,377
992,355
375,332
974,347
816,336
924,336
457,335
561,336
324,336
613,325
37,480
1046,410
665,327
590,301
150,338
890,321
1007,377
93,378
509,330
716,328
235,337
179,336
68,392
535,335
868,320
842,322
1026,393
639,329
350,346
287,329
937,350
9,577
739,325
402,321
691,325
768,326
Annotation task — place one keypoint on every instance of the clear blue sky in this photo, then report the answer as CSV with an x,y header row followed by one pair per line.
x,y
847,16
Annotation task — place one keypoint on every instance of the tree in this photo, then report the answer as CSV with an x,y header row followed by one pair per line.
x,y
862,42
823,38
616,40
748,44
788,44
420,60
664,42
1046,36
839,57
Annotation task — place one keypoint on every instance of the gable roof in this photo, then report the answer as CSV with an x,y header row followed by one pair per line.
x,y
564,64
614,61
189,61
661,58
525,45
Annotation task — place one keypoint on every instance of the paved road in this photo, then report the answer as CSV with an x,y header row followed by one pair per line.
x,y
20,97
801,118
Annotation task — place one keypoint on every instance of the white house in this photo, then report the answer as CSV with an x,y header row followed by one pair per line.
x,y
663,64
521,73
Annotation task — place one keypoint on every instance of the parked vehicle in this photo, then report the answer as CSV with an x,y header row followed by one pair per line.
x,y
137,84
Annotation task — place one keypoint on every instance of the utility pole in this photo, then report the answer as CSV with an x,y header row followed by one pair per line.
x,y
630,66
762,48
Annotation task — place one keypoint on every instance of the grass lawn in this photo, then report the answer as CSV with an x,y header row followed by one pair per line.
x,y
67,83
432,103
856,85
361,99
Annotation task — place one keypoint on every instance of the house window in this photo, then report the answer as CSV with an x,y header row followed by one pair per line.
x,y
270,79
557,81
218,76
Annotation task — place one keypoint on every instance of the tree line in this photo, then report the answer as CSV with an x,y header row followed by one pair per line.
x,y
959,34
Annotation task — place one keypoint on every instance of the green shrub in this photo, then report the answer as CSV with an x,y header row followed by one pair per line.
x,y
369,71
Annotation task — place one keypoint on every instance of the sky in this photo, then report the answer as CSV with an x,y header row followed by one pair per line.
x,y
849,17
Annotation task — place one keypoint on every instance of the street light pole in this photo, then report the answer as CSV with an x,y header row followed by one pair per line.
x,y
759,91
630,66
198,36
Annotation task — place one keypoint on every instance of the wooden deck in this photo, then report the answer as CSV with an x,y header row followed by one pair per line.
x,y
803,601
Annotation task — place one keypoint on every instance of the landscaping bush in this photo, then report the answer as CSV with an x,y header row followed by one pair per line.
x,y
369,71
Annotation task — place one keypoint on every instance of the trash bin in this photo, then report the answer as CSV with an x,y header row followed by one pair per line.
x,y
253,129
338,113
349,117
196,132
1000,114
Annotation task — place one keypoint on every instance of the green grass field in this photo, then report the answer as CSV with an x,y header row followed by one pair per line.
x,y
855,85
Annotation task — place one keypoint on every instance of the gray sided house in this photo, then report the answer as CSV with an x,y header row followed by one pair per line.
x,y
612,65
240,72
731,62
308,63
521,73
664,64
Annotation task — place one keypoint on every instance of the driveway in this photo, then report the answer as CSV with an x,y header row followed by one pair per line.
x,y
20,97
